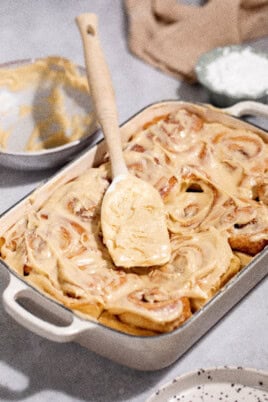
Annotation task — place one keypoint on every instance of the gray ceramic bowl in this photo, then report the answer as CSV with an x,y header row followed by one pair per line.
x,y
13,155
220,97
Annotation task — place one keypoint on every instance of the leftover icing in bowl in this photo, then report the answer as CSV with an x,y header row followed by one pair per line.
x,y
44,103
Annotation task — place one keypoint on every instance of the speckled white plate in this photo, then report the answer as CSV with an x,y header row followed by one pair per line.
x,y
222,384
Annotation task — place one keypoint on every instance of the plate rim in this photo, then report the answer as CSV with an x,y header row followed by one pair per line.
x,y
184,376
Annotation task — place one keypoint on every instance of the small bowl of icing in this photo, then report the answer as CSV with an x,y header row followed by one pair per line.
x,y
234,73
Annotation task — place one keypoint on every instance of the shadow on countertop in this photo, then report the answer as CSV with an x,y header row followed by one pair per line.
x,y
67,368
12,177
192,93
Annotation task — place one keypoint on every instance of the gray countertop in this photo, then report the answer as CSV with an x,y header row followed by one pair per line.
x,y
33,368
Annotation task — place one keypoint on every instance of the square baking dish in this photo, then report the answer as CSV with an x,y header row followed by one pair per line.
x,y
139,352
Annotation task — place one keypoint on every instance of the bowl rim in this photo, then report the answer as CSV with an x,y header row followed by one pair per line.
x,y
206,58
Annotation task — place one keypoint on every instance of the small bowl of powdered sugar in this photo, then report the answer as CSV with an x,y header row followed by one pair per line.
x,y
234,73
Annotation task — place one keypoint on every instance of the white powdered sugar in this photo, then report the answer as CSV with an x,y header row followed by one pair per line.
x,y
239,72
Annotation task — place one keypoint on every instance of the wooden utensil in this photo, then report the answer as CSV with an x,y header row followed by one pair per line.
x,y
132,213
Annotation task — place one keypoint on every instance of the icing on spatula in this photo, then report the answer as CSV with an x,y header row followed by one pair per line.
x,y
133,218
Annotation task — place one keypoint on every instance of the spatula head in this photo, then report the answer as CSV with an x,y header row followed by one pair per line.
x,y
134,223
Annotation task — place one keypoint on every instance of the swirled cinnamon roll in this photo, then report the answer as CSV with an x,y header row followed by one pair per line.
x,y
150,308
189,201
250,233
198,265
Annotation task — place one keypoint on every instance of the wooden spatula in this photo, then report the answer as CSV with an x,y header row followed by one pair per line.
x,y
132,214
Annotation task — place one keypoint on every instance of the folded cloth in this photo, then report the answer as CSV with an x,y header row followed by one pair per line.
x,y
171,35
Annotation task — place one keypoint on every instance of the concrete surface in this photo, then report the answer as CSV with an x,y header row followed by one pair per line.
x,y
33,368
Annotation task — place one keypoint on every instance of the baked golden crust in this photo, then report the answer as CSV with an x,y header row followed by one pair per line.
x,y
244,258
213,181
244,244
113,321
139,321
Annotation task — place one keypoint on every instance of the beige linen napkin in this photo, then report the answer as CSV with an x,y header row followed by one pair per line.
x,y
171,35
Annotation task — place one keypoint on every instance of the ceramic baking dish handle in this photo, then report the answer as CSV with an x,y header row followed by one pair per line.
x,y
247,108
16,290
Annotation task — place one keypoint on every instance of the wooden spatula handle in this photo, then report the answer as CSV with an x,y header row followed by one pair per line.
x,y
102,90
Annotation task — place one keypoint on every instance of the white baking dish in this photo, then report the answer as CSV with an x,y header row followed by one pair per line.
x,y
143,353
